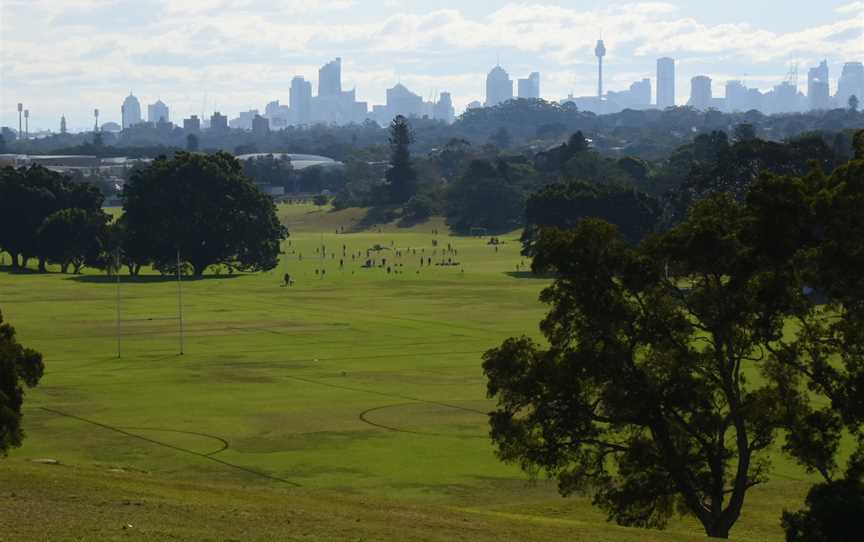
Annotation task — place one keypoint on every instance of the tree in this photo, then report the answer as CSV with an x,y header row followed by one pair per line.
x,y
205,208
19,367
853,103
73,237
564,206
401,177
192,143
489,195
501,138
645,394
30,195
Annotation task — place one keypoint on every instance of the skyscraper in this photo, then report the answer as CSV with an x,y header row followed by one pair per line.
x,y
157,112
130,111
851,83
665,83
192,125
443,109
818,89
600,52
218,122
330,78
499,87
300,100
530,88
700,92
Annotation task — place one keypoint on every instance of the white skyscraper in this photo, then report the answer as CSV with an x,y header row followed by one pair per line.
x,y
130,111
665,83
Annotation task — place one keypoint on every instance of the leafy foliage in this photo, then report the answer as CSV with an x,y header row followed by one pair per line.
x,y
19,367
205,208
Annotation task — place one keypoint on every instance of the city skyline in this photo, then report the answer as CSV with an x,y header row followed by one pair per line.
x,y
759,55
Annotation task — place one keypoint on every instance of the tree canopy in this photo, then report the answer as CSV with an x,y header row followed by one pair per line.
x,y
19,367
672,366
203,207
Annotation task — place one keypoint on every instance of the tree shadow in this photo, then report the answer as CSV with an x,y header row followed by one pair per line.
x,y
410,222
375,216
147,279
529,275
20,270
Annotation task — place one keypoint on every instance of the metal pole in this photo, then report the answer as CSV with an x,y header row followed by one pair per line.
x,y
117,272
180,301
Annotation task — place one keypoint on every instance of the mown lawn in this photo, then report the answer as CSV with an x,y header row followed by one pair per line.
x,y
356,396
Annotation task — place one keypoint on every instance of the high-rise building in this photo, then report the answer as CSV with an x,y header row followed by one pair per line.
x,y
218,122
300,101
529,88
851,83
260,125
401,101
700,93
818,89
130,111
499,87
443,109
157,112
665,83
192,125
330,78
63,124
600,52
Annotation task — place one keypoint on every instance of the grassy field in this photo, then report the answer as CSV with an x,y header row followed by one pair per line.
x,y
355,397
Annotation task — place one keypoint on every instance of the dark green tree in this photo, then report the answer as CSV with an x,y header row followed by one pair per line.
x,y
401,177
73,237
205,208
490,195
19,367
646,395
853,103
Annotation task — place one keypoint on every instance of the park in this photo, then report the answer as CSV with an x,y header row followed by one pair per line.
x,y
352,401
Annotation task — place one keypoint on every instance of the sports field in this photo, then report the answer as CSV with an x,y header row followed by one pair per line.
x,y
357,384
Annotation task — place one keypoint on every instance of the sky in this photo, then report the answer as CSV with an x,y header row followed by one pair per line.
x,y
67,57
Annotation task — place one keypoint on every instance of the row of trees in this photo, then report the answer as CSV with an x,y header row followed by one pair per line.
x,y
672,366
46,216
200,209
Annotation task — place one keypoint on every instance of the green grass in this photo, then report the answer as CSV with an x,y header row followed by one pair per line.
x,y
361,390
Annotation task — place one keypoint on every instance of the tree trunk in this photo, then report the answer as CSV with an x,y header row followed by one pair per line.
x,y
199,268
64,267
14,260
42,268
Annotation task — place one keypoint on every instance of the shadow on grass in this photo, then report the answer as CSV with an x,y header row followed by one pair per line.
x,y
529,275
19,270
375,216
146,279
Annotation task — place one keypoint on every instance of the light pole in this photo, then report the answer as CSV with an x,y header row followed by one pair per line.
x,y
26,124
180,301
20,124
96,117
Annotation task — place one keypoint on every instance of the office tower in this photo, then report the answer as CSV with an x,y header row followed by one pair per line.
x,y
499,87
818,89
443,109
665,83
260,125
218,122
530,88
157,112
640,92
300,100
851,83
130,111
700,92
600,52
330,78
192,125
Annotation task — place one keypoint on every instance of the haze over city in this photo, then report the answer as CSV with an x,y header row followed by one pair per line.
x,y
65,58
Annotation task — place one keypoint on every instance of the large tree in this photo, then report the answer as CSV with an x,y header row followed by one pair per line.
x,y
73,237
19,367
204,208
401,177
670,367
27,198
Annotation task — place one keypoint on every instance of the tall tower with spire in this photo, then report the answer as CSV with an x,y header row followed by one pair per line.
x,y
600,52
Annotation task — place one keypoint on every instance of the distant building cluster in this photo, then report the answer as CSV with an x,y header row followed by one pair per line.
x,y
334,105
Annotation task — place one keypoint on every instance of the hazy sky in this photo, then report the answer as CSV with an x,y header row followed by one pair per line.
x,y
69,56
